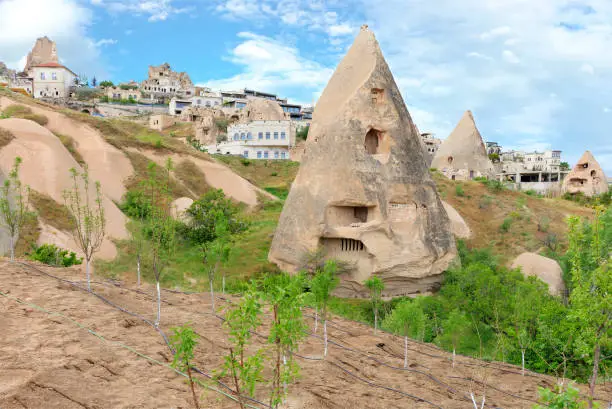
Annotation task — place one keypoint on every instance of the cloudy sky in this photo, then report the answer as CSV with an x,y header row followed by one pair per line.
x,y
536,73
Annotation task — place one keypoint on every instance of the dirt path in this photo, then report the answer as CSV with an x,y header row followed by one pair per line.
x,y
49,361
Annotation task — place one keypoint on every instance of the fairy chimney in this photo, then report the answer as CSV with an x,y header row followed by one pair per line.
x,y
463,155
363,192
586,177
44,51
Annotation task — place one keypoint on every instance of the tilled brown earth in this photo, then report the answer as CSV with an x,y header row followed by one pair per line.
x,y
63,348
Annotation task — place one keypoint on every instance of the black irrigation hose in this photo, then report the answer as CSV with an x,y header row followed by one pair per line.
x,y
163,335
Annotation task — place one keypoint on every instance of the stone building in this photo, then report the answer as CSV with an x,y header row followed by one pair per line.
x,y
164,84
118,93
587,177
205,97
51,80
161,122
43,52
431,144
363,192
463,156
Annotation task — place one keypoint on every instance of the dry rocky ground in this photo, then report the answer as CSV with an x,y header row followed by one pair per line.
x,y
61,347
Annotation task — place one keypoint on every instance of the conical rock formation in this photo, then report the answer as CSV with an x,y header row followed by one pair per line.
x,y
363,192
586,177
44,51
463,155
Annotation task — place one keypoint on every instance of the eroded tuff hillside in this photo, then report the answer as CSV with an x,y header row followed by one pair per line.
x,y
116,152
65,348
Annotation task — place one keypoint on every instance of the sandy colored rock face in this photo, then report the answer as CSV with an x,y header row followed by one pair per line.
x,y
45,168
363,191
179,206
44,51
546,269
262,110
204,123
463,155
586,177
459,227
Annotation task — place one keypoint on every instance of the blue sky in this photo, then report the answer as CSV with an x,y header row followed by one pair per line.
x,y
536,74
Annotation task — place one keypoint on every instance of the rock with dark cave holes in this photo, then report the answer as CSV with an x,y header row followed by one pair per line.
x,y
363,192
586,177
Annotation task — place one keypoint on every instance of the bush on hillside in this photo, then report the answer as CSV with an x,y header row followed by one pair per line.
x,y
6,137
302,132
203,214
55,256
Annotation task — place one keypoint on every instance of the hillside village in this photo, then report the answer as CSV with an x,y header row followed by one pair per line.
x,y
235,239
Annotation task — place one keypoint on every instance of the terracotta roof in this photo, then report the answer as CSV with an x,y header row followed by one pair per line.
x,y
53,65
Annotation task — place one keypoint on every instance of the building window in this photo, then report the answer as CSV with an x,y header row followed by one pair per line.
x,y
267,135
208,104
249,136
258,154
54,76
246,154
216,103
199,102
242,136
265,154
236,136
275,154
275,135
260,135
42,76
283,155
283,136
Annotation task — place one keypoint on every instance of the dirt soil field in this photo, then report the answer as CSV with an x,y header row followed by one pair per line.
x,y
61,347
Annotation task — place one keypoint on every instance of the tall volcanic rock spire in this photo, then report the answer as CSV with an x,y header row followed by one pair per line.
x,y
463,155
44,51
363,192
586,177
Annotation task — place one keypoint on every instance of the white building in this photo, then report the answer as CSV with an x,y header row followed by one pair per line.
x,y
51,80
258,140
207,98
518,161
176,105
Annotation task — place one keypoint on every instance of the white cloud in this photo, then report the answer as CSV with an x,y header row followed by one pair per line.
x,y
587,68
269,64
510,57
155,10
340,29
474,54
105,41
496,32
64,21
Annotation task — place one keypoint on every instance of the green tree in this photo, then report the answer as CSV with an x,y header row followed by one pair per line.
x,y
160,227
408,319
455,331
561,398
203,215
376,287
322,285
564,166
137,206
216,253
284,293
87,215
183,341
242,320
13,205
590,246
106,84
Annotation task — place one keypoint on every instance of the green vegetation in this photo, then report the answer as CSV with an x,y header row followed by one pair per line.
x,y
321,286
24,112
494,157
51,212
6,137
408,319
564,166
562,398
459,191
13,205
376,287
69,143
192,177
604,199
183,341
87,215
52,255
216,252
302,133
106,84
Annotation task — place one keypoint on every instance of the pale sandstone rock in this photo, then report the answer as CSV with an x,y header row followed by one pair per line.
x,y
586,177
262,110
463,156
44,51
546,269
178,208
458,225
363,190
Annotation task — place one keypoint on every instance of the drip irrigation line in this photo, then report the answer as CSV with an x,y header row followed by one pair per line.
x,y
162,334
118,343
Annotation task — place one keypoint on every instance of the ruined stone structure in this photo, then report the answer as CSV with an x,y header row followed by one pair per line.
x,y
431,144
363,192
43,52
163,83
204,123
262,110
463,156
586,177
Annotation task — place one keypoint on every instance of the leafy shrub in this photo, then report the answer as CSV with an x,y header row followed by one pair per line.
x,y
52,255
245,161
6,137
279,192
543,224
136,204
568,398
459,191
203,214
39,119
274,174
221,124
302,133
493,185
506,224
531,192
485,202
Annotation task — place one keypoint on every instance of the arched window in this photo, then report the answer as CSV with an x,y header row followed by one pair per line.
x,y
249,136
371,142
236,136
242,136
